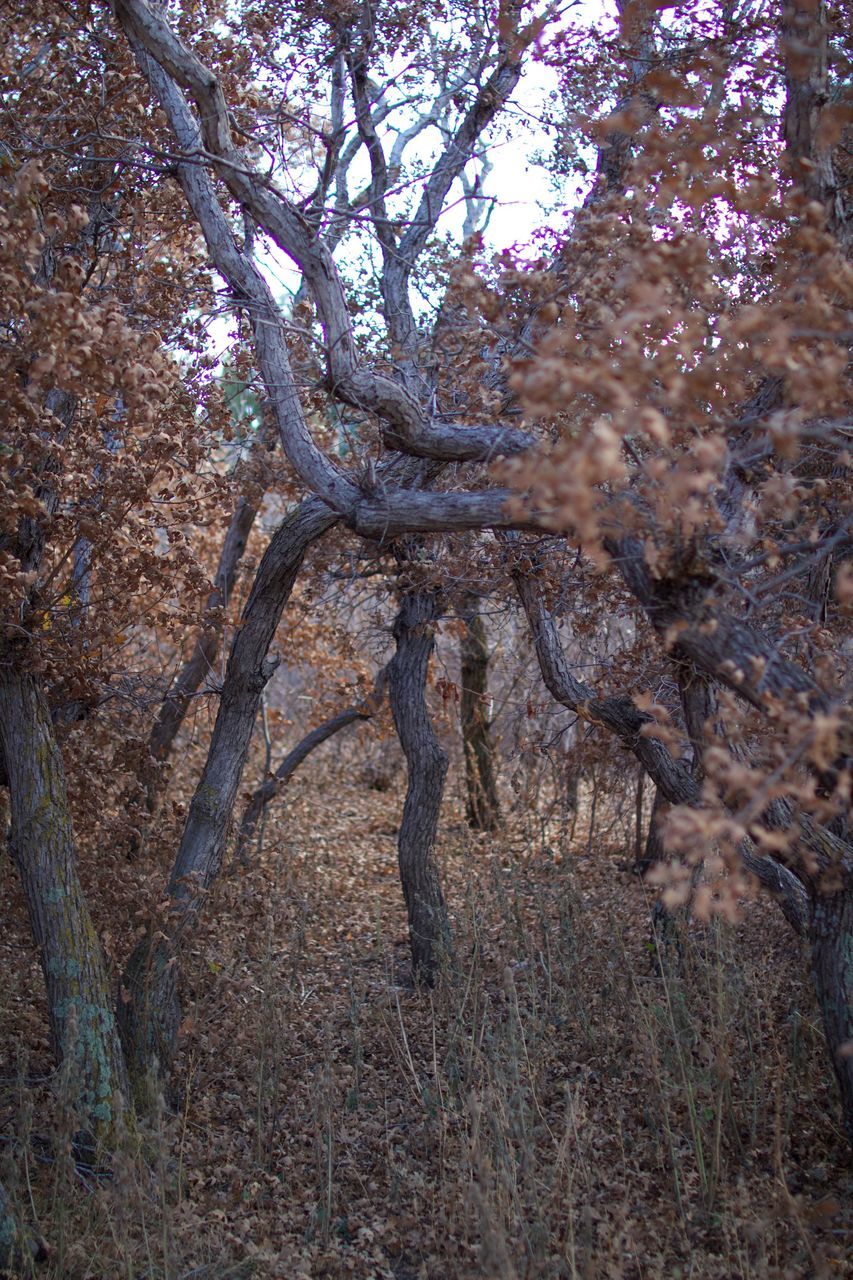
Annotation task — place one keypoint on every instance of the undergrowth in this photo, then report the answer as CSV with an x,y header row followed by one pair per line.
x,y
576,1098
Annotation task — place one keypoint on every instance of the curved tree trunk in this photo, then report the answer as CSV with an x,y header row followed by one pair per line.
x,y
263,794
831,940
427,768
483,808
826,914
673,778
82,1022
149,1013
824,859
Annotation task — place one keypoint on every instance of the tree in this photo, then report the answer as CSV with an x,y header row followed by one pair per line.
x,y
427,768
18,1248
694,453
660,393
150,1017
643,359
86,465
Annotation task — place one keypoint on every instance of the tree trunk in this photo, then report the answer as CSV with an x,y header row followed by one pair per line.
x,y
483,808
263,794
699,706
18,1249
623,718
653,851
205,649
82,1022
804,43
149,1013
831,939
427,768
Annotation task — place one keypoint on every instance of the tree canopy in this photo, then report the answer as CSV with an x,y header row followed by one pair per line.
x,y
269,349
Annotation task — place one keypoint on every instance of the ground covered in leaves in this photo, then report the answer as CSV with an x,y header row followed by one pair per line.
x,y
566,1103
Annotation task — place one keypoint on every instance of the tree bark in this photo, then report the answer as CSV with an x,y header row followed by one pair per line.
x,y
724,652
831,941
673,778
427,768
82,1022
206,647
710,638
653,850
483,807
18,1249
263,794
149,1012
804,41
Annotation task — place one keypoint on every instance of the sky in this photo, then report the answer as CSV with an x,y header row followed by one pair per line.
x,y
523,191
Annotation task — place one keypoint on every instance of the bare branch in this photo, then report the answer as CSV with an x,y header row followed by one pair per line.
x,y
166,61
269,789
622,717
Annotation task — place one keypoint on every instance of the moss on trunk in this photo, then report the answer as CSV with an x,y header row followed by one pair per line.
x,y
82,1023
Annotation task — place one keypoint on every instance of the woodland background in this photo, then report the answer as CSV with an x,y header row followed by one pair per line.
x,y
425,735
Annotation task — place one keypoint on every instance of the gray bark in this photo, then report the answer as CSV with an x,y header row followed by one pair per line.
x,y
149,1013
805,47
410,428
18,1248
824,913
699,706
673,778
831,941
482,806
738,655
720,647
618,714
399,258
426,763
202,660
82,1022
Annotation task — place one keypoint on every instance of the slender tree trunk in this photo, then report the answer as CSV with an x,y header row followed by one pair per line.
x,y
80,1010
830,916
263,794
483,808
699,705
653,851
149,1012
804,31
427,768
205,649
18,1249
831,940
638,822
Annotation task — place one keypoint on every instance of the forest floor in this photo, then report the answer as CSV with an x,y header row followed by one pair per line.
x,y
563,1104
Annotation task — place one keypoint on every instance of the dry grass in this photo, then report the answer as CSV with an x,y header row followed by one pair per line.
x,y
567,1102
